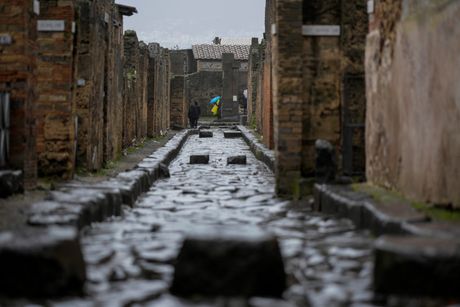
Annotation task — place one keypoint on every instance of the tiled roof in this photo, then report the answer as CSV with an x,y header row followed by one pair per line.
x,y
214,52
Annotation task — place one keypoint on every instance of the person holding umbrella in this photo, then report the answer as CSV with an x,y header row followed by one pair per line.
x,y
216,102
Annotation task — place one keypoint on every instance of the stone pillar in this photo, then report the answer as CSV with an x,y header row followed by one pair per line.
x,y
287,100
143,87
253,79
152,81
18,50
55,110
178,103
131,94
229,108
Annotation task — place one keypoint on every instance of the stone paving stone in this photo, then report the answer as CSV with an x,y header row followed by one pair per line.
x,y
206,134
142,245
41,262
417,266
237,160
199,159
224,261
232,134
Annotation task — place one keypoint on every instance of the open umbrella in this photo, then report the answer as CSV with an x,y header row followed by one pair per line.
x,y
215,100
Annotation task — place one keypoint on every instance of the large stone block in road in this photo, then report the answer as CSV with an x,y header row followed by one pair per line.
x,y
232,134
199,159
206,134
237,160
417,266
231,262
41,262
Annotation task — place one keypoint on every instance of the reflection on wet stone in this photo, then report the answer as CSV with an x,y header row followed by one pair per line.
x,y
131,258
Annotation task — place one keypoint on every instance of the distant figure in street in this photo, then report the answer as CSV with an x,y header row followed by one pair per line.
x,y
194,113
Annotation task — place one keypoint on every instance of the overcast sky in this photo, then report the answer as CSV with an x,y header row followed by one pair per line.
x,y
187,22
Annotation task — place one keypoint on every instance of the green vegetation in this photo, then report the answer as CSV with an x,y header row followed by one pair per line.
x,y
386,196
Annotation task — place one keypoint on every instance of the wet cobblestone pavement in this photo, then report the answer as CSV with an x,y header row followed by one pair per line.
x,y
130,258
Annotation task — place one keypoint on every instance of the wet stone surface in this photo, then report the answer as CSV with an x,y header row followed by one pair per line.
x,y
130,259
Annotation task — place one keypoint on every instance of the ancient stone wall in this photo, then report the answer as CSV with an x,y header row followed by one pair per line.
x,y
113,138
143,95
178,62
92,106
179,107
158,90
131,99
202,87
18,50
287,95
413,99
55,109
334,83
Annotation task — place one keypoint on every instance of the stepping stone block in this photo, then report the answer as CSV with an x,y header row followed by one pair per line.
x,y
206,134
41,262
199,159
237,160
230,262
232,134
417,266
204,127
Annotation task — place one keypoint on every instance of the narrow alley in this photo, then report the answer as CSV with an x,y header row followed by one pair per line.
x,y
216,153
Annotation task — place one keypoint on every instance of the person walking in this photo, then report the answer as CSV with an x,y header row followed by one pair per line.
x,y
194,113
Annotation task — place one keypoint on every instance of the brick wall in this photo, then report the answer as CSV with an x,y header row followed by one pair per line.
x,y
55,110
17,66
92,106
287,99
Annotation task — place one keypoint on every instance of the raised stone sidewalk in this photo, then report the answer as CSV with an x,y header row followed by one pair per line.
x,y
415,254
52,233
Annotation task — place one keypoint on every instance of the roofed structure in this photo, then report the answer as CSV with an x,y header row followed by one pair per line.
x,y
214,52
126,9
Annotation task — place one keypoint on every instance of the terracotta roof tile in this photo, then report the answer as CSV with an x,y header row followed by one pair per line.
x,y
214,52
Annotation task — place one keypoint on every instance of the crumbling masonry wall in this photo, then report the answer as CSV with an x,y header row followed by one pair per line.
x,y
179,106
92,105
132,98
55,109
287,96
158,121
18,28
201,87
413,99
333,82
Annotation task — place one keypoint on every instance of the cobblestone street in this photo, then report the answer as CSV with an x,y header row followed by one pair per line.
x,y
130,259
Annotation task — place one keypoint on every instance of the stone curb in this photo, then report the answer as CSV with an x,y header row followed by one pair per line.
x,y
342,201
261,152
75,205
413,256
